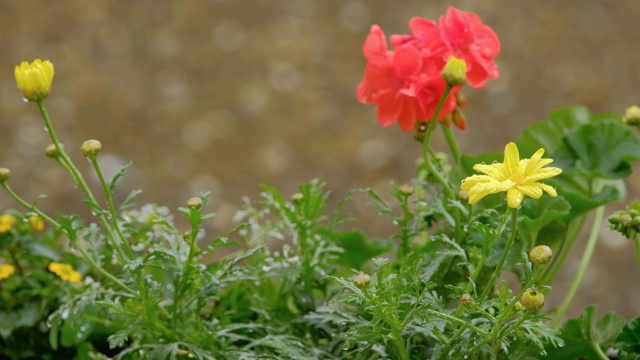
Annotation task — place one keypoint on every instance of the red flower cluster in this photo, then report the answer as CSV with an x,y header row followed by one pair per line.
x,y
406,83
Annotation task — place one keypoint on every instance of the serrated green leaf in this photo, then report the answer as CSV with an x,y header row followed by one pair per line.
x,y
582,335
549,134
604,149
628,341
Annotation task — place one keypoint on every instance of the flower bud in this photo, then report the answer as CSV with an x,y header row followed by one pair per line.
x,y
463,195
194,203
458,118
91,148
52,151
532,299
465,300
361,281
34,79
455,71
632,116
5,174
540,254
406,190
297,198
519,306
461,100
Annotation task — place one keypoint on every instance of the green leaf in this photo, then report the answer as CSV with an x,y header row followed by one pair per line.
x,y
604,149
549,134
39,249
358,248
628,340
583,334
538,213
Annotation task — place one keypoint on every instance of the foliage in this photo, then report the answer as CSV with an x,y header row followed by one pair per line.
x,y
298,280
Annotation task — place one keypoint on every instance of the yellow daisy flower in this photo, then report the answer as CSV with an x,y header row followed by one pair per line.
x,y
6,270
65,272
6,223
34,79
515,177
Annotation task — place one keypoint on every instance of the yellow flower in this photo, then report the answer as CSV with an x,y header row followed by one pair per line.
x,y
6,270
34,80
6,223
65,272
36,223
516,177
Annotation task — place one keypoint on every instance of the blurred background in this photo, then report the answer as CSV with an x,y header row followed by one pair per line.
x,y
224,95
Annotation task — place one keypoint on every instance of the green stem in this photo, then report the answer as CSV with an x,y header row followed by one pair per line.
x,y
636,243
598,350
451,140
505,253
112,209
29,207
582,269
454,319
74,172
574,229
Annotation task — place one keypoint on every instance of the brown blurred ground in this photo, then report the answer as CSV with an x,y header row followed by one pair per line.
x,y
224,95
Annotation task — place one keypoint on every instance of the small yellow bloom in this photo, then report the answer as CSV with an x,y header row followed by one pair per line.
x,y
65,272
515,177
6,223
34,80
36,223
6,270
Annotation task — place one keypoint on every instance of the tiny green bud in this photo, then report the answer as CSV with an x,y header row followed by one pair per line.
x,y
91,148
5,174
632,116
465,300
455,71
406,190
194,203
52,151
361,281
532,299
297,198
520,307
540,254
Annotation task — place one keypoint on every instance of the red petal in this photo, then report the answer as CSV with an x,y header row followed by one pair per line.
x,y
375,44
407,61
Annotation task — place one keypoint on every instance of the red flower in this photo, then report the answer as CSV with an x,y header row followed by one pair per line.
x,y
406,83
390,81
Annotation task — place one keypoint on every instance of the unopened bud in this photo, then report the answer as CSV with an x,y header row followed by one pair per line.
x,y
540,254
91,148
5,174
194,203
361,281
632,116
458,118
465,300
463,195
455,71
297,198
406,190
532,299
52,151
461,100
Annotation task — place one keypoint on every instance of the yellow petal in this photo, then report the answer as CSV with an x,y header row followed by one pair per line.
x,y
533,161
511,159
531,190
494,170
548,189
514,198
544,174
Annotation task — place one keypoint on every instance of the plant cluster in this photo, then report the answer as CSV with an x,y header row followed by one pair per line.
x,y
478,241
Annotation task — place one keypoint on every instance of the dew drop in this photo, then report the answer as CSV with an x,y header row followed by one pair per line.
x,y
45,129
25,99
64,314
